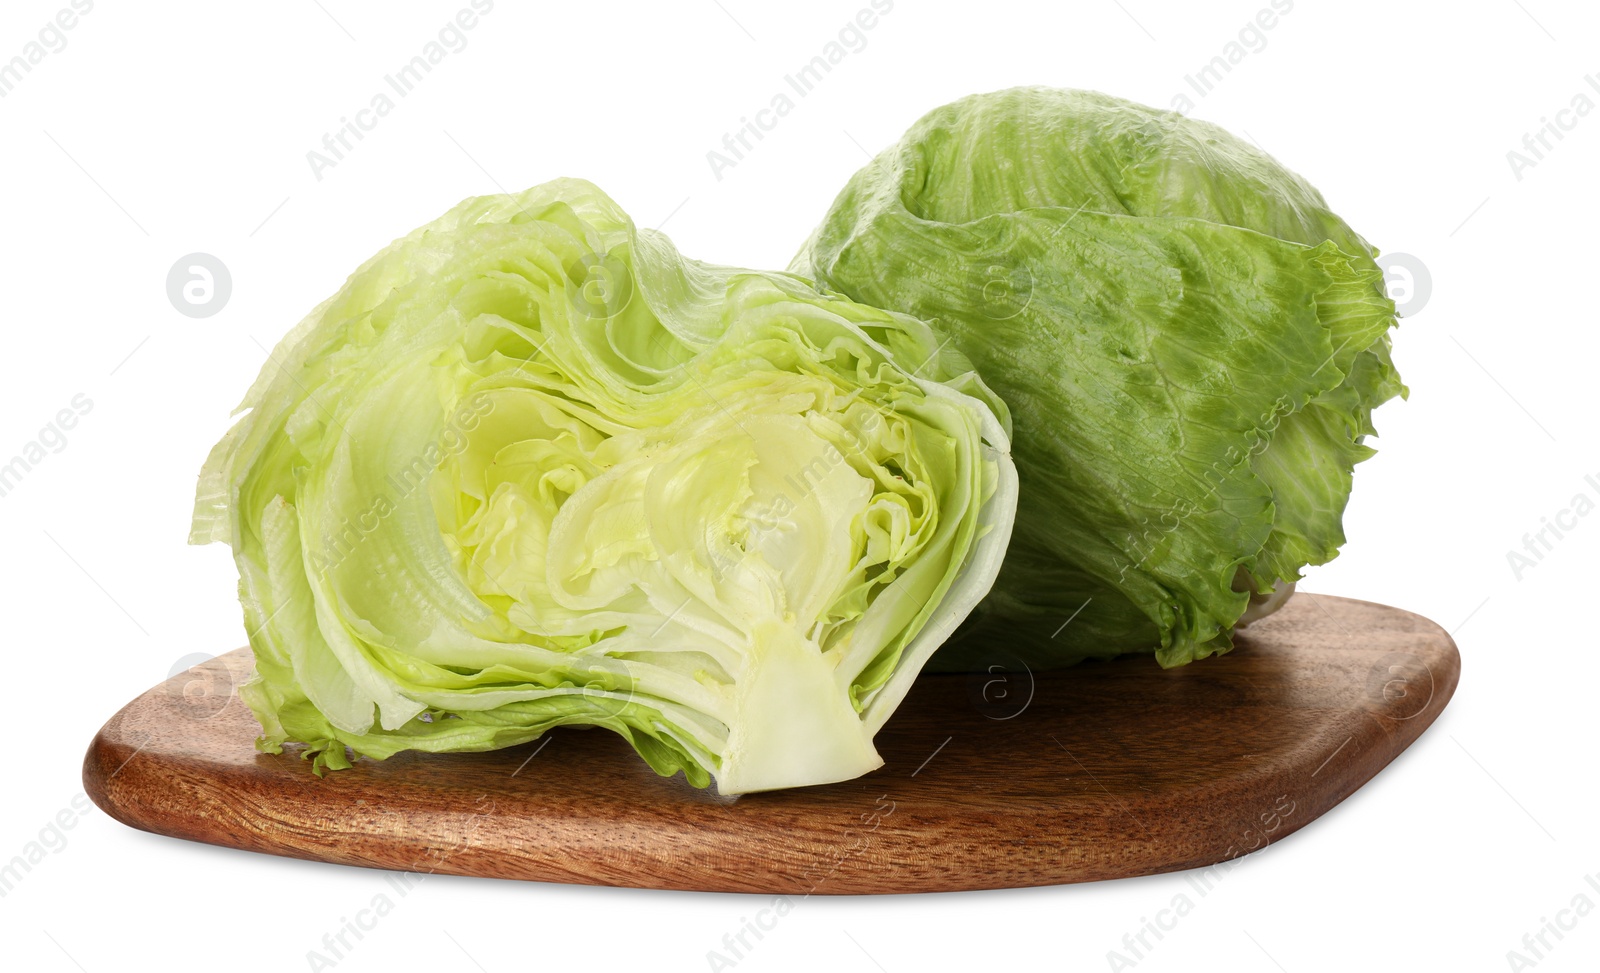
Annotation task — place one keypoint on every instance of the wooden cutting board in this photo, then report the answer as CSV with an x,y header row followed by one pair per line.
x,y
996,780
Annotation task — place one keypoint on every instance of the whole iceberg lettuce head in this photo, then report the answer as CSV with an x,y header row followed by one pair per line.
x,y
531,467
1190,342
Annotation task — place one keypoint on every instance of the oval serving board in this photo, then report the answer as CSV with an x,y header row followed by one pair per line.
x,y
996,780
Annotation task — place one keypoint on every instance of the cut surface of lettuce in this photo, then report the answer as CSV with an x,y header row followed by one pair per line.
x,y
531,467
1189,341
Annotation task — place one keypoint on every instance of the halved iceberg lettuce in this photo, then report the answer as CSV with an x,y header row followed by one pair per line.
x,y
531,467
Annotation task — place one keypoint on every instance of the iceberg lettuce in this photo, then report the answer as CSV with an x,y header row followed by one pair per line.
x,y
531,467
1190,343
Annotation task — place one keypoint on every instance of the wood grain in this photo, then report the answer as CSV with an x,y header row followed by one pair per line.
x,y
996,780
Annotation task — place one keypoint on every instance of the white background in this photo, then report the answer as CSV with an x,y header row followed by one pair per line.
x,y
165,129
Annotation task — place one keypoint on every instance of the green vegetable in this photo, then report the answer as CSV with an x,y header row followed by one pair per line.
x,y
1190,342
531,467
